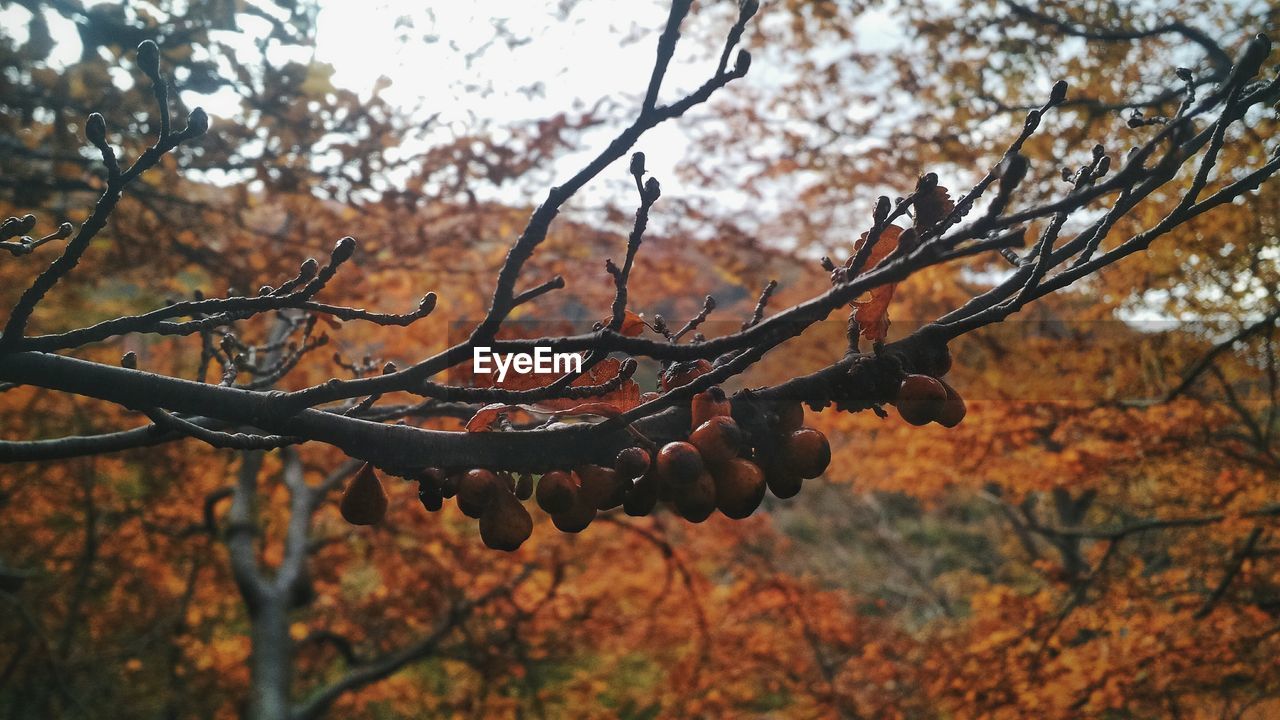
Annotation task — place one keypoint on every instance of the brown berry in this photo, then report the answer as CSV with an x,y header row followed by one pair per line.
x,y
718,439
642,497
364,502
696,501
739,488
632,462
679,463
683,373
953,410
920,399
556,492
524,487
505,524
577,517
476,490
783,483
806,452
449,486
429,493
707,404
601,486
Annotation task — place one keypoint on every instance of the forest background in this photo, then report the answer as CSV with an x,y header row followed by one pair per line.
x,y
1096,539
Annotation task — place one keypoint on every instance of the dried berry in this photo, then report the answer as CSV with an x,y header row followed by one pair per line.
x,y
683,373
783,483
740,487
696,501
806,452
577,517
679,463
449,486
364,502
557,491
632,462
430,496
718,439
476,490
505,524
524,487
920,398
642,497
601,486
707,404
953,410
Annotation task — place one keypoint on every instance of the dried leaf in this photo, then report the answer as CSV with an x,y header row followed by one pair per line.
x,y
632,324
872,314
932,207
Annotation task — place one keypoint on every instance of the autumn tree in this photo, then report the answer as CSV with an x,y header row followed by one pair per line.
x,y
80,362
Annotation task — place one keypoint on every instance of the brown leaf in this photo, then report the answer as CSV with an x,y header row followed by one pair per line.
x,y
872,314
932,207
632,324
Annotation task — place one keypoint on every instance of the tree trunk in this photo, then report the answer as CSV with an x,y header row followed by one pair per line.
x,y
271,659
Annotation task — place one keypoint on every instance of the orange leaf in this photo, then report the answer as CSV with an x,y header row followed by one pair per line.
x,y
486,417
632,324
872,314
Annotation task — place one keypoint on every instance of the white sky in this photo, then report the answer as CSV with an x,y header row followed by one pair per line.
x,y
505,61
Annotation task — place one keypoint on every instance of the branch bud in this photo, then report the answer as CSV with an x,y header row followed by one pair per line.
x,y
343,250
95,129
652,190
1059,93
747,9
637,163
1014,170
1033,121
308,269
742,63
149,58
428,304
881,212
1251,58
197,123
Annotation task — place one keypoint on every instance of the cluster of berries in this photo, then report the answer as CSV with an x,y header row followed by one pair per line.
x,y
718,467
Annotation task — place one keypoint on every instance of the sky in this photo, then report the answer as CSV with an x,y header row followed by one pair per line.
x,y
504,61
